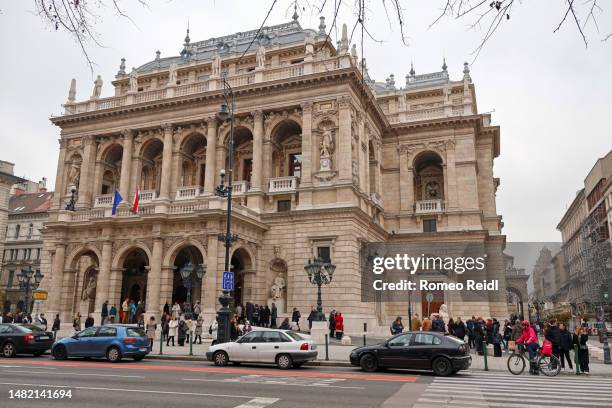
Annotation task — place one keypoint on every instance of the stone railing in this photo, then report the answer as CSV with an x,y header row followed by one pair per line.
x,y
187,193
429,206
188,208
147,196
105,200
240,187
212,83
283,184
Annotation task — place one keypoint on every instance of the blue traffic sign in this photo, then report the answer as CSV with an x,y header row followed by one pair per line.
x,y
228,281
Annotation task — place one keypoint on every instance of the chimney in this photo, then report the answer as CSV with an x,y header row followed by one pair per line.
x,y
18,190
42,185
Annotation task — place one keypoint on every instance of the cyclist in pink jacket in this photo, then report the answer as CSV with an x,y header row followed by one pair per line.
x,y
530,339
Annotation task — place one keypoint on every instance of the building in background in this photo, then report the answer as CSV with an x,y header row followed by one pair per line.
x,y
325,159
585,230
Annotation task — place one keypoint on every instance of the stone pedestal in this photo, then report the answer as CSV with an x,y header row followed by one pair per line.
x,y
318,332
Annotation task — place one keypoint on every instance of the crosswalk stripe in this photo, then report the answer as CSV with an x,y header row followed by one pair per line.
x,y
547,394
258,403
508,402
605,390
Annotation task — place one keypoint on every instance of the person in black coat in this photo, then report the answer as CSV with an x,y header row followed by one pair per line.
x,y
579,340
459,329
295,317
332,324
182,332
89,321
565,345
56,326
553,334
273,316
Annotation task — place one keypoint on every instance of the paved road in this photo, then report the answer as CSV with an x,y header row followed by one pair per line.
x,y
198,384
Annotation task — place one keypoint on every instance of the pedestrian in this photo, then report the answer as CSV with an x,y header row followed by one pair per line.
x,y
104,313
56,326
166,309
295,317
189,324
151,328
113,314
197,309
132,312
507,334
234,329
580,339
247,327
450,327
530,339
460,329
426,325
415,323
89,321
176,310
213,330
517,330
182,332
125,308
312,317
239,313
565,346
250,309
267,314
332,324
553,334
479,335
172,330
470,331
437,324
285,324
397,326
273,316
496,339
198,330
165,327
42,321
339,325
76,323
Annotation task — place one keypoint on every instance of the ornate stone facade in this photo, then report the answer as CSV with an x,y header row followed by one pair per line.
x,y
324,160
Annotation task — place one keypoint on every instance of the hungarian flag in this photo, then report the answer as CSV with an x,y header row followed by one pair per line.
x,y
135,203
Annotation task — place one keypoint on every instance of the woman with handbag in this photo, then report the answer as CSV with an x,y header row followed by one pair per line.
x,y
580,339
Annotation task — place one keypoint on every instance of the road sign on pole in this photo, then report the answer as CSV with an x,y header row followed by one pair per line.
x,y
228,281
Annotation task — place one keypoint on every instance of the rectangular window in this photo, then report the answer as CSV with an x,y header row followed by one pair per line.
x,y
429,226
295,164
324,253
9,283
283,205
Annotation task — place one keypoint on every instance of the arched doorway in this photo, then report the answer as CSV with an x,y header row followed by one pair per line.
x,y
515,302
188,291
134,281
429,177
241,265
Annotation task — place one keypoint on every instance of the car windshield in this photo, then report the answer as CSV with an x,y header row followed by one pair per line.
x,y
294,335
135,332
28,328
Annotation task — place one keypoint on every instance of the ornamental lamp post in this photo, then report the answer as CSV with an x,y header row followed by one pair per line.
x,y
70,206
226,111
319,273
27,285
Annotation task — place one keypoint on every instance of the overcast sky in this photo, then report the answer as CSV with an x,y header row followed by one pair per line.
x,y
551,96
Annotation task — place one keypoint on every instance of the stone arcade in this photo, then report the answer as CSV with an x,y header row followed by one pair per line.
x,y
326,159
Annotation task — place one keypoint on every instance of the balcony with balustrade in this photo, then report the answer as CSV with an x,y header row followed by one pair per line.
x,y
288,184
187,193
429,207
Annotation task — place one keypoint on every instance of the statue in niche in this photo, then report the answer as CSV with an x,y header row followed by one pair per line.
x,y
97,91
133,81
216,65
326,150
89,292
73,174
172,74
309,41
432,190
276,290
260,57
444,312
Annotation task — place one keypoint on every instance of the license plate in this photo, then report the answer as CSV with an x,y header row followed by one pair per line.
x,y
44,338
144,349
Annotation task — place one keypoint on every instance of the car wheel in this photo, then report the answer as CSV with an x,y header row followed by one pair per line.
x,y
283,361
59,353
113,355
220,358
442,367
368,362
138,358
8,350
38,353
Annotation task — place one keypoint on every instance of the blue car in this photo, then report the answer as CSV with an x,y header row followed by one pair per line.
x,y
112,342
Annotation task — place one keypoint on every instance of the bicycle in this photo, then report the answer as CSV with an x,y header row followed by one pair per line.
x,y
550,366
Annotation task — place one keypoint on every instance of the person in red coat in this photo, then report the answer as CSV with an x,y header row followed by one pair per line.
x,y
339,325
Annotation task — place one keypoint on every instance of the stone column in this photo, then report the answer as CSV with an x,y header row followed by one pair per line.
x,y
406,182
85,181
307,167
210,287
154,279
126,163
452,200
102,290
55,291
60,188
211,156
258,134
343,145
97,181
165,290
166,176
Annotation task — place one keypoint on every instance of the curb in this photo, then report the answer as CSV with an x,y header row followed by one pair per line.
x,y
169,357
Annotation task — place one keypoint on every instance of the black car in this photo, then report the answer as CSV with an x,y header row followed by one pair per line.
x,y
445,355
23,339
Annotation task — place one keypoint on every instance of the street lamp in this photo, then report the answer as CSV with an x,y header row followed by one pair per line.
x,y
226,112
70,206
28,285
319,273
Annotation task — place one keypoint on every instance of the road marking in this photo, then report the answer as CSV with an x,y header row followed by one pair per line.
x,y
258,403
79,374
229,370
270,382
19,366
131,390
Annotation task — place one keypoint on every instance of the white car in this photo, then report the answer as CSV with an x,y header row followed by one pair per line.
x,y
284,348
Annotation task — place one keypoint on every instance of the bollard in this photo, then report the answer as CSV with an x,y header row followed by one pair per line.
x,y
365,329
191,343
326,347
576,360
161,344
484,353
